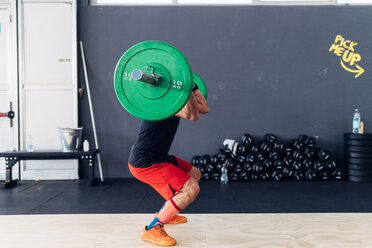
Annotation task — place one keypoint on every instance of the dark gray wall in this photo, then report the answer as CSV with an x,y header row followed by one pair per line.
x,y
267,69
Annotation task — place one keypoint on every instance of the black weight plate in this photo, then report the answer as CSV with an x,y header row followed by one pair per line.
x,y
358,160
358,143
360,173
358,148
353,136
360,179
359,154
201,85
359,166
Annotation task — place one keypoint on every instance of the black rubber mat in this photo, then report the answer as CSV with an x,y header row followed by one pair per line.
x,y
76,197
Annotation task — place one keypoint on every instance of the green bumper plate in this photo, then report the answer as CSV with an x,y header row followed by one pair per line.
x,y
201,85
159,102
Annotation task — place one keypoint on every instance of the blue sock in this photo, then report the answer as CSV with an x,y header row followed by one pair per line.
x,y
154,222
162,207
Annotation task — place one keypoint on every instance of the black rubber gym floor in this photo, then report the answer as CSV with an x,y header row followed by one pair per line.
x,y
76,197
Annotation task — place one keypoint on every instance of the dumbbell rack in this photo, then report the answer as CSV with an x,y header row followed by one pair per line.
x,y
358,156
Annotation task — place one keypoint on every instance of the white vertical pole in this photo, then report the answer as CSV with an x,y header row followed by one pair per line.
x,y
91,110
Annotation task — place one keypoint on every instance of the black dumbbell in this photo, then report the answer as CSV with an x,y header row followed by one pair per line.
x,y
297,155
206,176
220,150
308,163
241,159
254,176
298,175
264,176
244,176
265,147
278,165
277,175
318,165
251,158
222,157
205,159
324,155
213,159
209,168
268,164
310,175
234,176
238,168
233,156
331,165
303,138
226,150
310,143
298,145
291,143
241,149
216,176
337,175
254,149
218,167
230,164
288,152
223,150
287,171
270,138
247,139
288,161
297,165
324,175
195,160
279,146
258,167
260,156
274,155
310,153
248,167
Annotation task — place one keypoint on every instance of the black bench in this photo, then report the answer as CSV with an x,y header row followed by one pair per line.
x,y
87,160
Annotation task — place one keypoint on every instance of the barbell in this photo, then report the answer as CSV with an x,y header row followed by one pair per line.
x,y
153,80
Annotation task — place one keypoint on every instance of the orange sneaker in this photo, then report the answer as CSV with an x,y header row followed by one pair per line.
x,y
178,219
158,236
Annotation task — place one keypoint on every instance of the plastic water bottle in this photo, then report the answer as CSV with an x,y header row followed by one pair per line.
x,y
29,145
356,121
224,177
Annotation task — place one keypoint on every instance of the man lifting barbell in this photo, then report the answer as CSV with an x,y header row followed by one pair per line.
x,y
173,178
160,100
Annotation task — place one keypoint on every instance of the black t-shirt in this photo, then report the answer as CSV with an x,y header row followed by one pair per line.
x,y
153,143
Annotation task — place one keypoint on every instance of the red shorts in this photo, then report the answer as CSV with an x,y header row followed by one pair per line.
x,y
165,178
